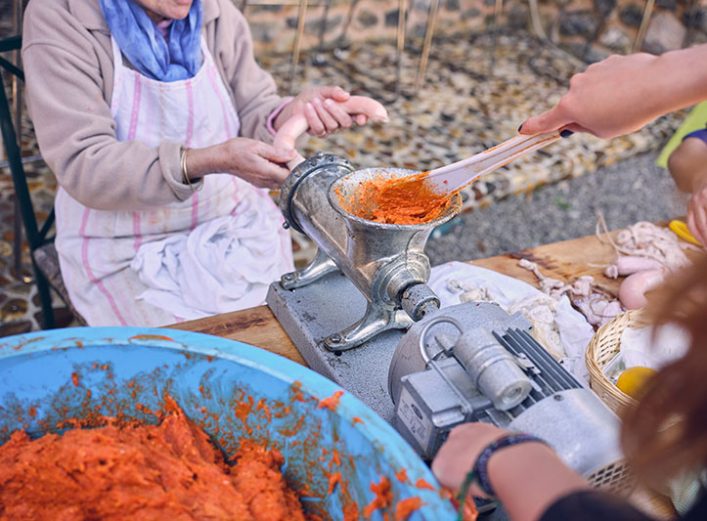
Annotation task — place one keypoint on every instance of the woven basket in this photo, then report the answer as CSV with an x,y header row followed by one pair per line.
x,y
602,349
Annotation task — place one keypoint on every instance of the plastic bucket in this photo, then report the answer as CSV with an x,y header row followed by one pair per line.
x,y
231,390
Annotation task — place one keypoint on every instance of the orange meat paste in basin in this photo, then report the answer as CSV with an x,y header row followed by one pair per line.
x,y
169,471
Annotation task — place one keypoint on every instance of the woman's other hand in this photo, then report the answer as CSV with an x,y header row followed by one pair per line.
x,y
319,105
253,161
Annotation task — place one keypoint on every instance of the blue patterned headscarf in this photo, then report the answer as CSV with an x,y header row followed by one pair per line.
x,y
142,43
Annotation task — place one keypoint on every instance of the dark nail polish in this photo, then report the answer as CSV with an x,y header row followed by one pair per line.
x,y
566,133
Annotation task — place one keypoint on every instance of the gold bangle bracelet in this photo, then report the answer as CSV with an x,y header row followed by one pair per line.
x,y
183,167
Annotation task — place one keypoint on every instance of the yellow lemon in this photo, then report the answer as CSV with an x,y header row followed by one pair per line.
x,y
632,380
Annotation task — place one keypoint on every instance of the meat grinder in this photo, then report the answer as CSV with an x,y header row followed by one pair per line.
x,y
367,279
362,314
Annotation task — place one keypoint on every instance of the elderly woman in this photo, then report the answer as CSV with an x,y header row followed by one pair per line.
x,y
156,120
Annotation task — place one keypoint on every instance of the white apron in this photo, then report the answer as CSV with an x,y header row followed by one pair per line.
x,y
214,252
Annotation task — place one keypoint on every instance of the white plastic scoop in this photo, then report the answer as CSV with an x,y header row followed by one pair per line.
x,y
454,177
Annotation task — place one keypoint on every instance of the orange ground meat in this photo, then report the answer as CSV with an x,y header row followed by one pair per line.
x,y
170,471
407,200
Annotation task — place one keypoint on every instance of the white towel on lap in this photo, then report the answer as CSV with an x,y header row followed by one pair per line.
x,y
222,265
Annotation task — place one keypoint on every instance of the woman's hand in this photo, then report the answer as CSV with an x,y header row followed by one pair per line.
x,y
457,456
319,105
622,93
611,98
253,161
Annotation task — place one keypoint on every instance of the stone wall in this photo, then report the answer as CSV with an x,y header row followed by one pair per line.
x,y
590,29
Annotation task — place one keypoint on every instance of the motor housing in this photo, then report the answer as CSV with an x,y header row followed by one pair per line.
x,y
475,362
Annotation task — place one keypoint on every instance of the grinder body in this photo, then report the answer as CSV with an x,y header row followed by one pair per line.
x,y
385,262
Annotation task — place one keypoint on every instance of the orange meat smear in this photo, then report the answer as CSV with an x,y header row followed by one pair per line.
x,y
166,472
407,200
383,497
332,402
406,507
470,513
421,483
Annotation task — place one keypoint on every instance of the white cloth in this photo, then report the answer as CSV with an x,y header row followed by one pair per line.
x,y
238,245
200,273
639,348
453,280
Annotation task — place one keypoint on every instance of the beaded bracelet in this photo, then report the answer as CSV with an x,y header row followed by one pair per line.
x,y
479,471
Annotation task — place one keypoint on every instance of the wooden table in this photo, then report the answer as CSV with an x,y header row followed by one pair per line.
x,y
565,260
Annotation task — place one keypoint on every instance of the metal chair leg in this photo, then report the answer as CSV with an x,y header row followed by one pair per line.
x,y
45,299
400,49
427,45
301,16
17,98
17,240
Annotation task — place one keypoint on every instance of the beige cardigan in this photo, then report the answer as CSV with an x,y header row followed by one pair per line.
x,y
68,64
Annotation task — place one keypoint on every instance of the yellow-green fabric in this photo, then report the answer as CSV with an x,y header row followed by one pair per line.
x,y
696,119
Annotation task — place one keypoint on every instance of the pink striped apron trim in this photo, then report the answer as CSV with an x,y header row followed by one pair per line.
x,y
87,266
134,117
190,115
137,89
226,121
190,135
227,128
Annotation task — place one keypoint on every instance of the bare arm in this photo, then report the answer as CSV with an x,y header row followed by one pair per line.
x,y
527,478
623,93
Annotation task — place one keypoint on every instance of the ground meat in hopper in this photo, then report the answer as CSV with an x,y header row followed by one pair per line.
x,y
407,200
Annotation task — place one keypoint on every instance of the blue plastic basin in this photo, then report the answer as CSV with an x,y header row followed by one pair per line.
x,y
49,377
